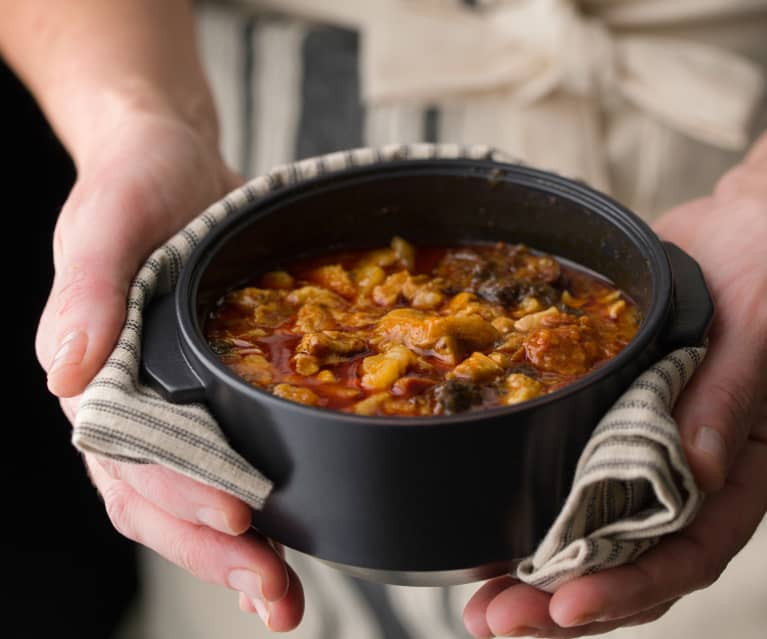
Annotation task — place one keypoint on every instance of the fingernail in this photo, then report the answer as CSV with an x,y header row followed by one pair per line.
x,y
216,519
262,608
711,443
71,351
246,581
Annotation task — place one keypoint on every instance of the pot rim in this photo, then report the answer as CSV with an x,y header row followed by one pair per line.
x,y
199,354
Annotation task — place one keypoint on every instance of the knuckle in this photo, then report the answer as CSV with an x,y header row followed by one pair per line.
x,y
118,503
88,280
76,289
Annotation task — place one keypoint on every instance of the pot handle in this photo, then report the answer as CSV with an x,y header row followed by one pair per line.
x,y
692,307
162,362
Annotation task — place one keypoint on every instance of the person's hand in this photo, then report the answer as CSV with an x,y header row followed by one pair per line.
x,y
140,181
722,418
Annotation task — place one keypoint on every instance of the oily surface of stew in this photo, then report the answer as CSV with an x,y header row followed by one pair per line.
x,y
428,331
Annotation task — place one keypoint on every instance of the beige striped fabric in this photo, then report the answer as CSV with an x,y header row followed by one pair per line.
x,y
632,484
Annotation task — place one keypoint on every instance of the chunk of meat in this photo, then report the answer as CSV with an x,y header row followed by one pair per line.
x,y
550,318
520,388
248,298
326,377
389,291
478,368
469,304
423,293
306,364
405,252
407,326
457,336
504,360
268,308
330,346
271,315
509,291
254,369
471,331
313,318
503,325
382,370
529,305
410,385
368,276
566,350
335,278
298,394
355,319
420,291
511,349
370,405
449,338
315,295
504,273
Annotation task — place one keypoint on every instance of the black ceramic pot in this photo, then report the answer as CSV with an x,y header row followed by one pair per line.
x,y
421,500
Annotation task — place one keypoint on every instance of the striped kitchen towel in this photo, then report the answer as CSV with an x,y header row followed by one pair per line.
x,y
632,484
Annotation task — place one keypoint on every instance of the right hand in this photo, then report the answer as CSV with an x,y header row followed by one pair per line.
x,y
141,180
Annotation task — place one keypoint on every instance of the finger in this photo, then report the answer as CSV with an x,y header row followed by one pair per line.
x,y
286,613
681,563
475,612
80,324
519,611
282,615
183,497
717,410
246,563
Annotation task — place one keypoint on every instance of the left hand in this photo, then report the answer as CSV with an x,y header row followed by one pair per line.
x,y
722,419
144,177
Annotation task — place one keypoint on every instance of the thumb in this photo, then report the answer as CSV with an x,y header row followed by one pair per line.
x,y
97,250
717,411
81,321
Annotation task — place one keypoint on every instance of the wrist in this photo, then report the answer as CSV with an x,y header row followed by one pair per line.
x,y
92,115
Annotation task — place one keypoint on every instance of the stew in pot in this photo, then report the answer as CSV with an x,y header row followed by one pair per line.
x,y
421,331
